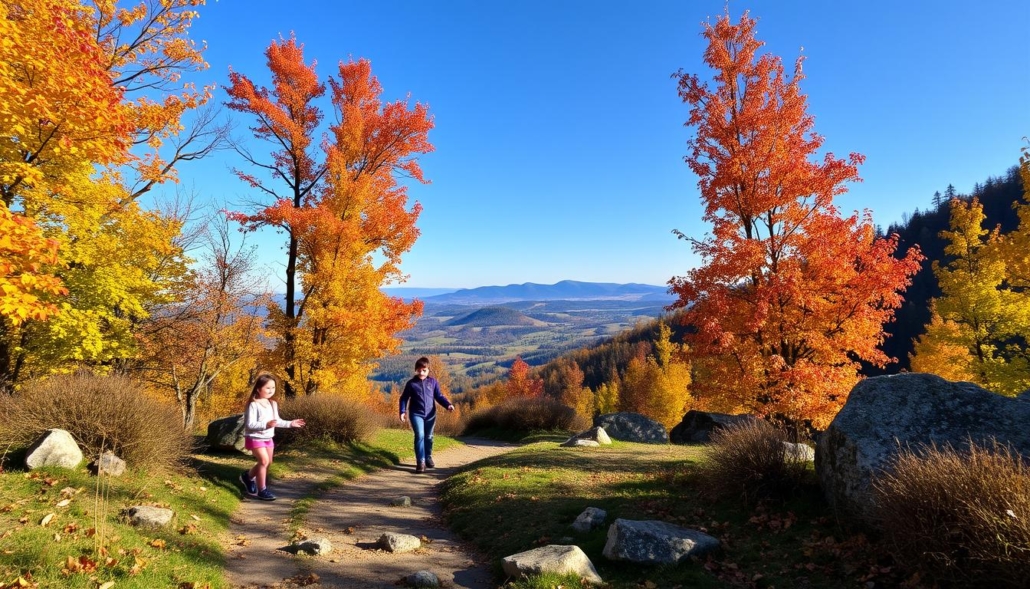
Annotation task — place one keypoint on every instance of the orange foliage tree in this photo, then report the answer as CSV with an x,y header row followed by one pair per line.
x,y
790,295
342,208
521,384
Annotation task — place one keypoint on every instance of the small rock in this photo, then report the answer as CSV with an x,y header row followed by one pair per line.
x,y
108,464
592,517
148,516
399,542
580,443
402,501
552,558
422,579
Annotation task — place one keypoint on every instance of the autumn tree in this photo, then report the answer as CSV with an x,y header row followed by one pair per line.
x,y
565,383
790,296
205,344
343,211
89,92
981,323
521,384
657,385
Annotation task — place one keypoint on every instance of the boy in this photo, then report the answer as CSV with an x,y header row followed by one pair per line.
x,y
423,393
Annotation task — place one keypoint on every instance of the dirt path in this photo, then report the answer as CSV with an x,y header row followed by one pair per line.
x,y
353,517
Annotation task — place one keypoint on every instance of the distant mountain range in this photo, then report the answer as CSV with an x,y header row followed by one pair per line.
x,y
566,290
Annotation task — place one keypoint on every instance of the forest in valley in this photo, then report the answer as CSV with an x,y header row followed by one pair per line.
x,y
791,304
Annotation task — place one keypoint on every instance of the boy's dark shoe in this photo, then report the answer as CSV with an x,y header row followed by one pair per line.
x,y
265,495
249,484
429,462
420,468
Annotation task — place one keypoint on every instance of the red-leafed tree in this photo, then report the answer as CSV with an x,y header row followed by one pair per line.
x,y
342,208
790,296
521,384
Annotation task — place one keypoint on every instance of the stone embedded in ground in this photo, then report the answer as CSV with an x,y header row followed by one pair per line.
x,y
319,547
697,427
632,427
422,579
594,434
399,542
55,447
553,558
655,542
910,410
108,465
592,517
580,443
402,501
148,516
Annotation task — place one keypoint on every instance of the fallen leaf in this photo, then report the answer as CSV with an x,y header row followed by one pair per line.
x,y
157,543
64,502
106,585
46,519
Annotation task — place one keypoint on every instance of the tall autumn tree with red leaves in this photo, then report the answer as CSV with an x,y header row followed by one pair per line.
x,y
339,201
790,295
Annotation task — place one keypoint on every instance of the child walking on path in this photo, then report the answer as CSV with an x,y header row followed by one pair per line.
x,y
423,393
261,417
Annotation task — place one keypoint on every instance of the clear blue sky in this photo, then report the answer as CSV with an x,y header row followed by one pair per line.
x,y
559,132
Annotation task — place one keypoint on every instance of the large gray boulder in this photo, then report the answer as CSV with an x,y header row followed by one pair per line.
x,y
655,542
632,427
697,427
909,410
55,447
226,434
553,558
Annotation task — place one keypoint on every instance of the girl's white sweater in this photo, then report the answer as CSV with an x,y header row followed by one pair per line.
x,y
257,418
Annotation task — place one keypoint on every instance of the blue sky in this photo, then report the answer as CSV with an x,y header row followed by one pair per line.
x,y
559,132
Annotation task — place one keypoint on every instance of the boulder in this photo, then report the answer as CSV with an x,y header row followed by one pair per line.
x,y
55,447
655,542
399,542
226,434
148,516
697,427
632,427
592,517
553,558
108,465
909,410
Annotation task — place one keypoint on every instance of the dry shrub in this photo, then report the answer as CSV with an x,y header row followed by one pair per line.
x,y
450,423
100,412
522,416
748,461
329,418
959,516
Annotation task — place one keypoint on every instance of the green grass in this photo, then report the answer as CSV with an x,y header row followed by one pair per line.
x,y
533,494
86,543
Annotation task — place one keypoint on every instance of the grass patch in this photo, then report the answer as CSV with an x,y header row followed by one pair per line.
x,y
530,497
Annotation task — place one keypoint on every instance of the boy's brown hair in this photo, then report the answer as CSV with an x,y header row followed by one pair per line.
x,y
421,363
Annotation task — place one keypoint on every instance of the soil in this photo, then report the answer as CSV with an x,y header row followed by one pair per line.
x,y
353,517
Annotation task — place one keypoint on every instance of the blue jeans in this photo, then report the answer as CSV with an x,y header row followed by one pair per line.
x,y
423,428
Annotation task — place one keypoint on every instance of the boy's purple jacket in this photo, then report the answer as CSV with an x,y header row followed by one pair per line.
x,y
422,393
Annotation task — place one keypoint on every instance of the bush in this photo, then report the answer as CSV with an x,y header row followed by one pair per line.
x,y
101,413
522,416
328,418
958,515
748,461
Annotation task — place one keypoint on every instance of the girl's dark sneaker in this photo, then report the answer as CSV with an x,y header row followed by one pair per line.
x,y
249,484
429,462
265,495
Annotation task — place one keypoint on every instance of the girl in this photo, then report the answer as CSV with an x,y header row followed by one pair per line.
x,y
261,417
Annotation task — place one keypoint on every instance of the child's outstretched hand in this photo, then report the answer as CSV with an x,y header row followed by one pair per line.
x,y
297,423
450,407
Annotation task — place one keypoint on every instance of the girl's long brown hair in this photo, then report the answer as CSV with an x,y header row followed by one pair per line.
x,y
259,382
